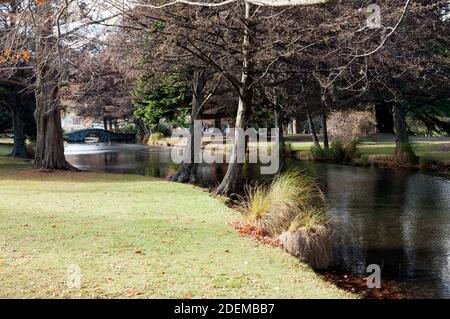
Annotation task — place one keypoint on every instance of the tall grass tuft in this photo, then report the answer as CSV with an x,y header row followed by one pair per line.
x,y
259,202
274,207
312,245
293,207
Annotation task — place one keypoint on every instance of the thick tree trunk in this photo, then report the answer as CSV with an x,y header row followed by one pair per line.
x,y
384,118
187,173
312,129
49,140
19,149
231,182
326,144
403,151
143,130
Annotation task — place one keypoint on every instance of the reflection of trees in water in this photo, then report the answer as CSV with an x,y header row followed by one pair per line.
x,y
391,218
425,229
109,159
343,193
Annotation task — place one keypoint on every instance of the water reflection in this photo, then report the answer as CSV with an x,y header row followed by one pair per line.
x,y
397,219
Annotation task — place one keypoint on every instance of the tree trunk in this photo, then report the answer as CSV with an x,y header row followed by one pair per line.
x,y
326,144
218,123
312,129
49,140
187,173
19,149
231,182
384,118
403,151
143,130
105,124
298,127
279,124
295,129
279,117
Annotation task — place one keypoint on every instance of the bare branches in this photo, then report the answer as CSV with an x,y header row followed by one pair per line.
x,y
267,3
393,30
187,2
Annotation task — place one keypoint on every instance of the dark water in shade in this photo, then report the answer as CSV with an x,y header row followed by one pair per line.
x,y
397,219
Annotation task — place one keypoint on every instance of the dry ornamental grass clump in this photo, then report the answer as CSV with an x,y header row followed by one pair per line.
x,y
293,207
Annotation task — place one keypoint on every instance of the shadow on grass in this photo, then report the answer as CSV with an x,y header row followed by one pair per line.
x,y
5,149
18,169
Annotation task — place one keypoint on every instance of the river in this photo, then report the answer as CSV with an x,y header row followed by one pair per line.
x,y
399,220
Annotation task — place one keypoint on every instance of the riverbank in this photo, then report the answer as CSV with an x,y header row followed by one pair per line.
x,y
433,153
130,241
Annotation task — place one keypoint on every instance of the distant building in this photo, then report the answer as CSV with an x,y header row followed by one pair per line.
x,y
70,121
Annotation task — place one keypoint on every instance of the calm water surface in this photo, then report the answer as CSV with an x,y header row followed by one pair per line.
x,y
397,219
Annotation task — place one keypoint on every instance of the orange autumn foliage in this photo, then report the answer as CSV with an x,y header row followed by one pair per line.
x,y
10,56
26,55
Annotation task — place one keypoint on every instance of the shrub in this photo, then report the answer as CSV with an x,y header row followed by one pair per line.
x,y
351,149
318,153
444,147
164,129
288,149
426,161
405,154
337,152
154,137
346,125
365,159
273,208
130,128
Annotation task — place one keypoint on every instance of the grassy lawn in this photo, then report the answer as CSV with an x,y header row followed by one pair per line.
x,y
427,149
133,236
5,148
6,162
435,150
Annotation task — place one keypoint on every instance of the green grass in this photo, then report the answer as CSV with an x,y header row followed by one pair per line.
x,y
5,148
428,149
6,162
302,146
133,236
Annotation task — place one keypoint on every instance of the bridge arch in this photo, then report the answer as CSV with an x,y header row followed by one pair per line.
x,y
103,136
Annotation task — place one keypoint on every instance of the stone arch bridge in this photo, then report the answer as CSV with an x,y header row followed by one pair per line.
x,y
103,136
